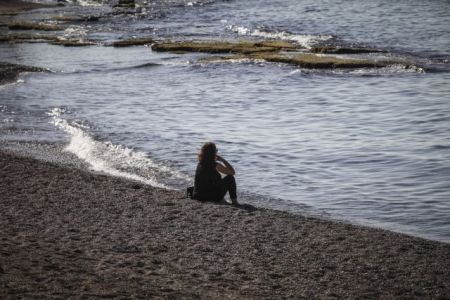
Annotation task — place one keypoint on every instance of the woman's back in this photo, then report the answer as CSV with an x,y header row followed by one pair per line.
x,y
207,182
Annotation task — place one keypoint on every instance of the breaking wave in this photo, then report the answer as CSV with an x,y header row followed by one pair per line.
x,y
112,159
304,40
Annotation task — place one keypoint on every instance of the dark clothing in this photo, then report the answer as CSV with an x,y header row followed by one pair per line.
x,y
229,185
209,185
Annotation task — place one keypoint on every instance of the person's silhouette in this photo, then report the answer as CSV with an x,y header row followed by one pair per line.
x,y
209,184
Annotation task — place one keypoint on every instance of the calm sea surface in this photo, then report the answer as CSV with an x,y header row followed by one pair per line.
x,y
369,146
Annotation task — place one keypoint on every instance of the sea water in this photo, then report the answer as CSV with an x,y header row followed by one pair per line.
x,y
368,146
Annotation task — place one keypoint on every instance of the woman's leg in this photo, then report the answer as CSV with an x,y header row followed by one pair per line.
x,y
229,185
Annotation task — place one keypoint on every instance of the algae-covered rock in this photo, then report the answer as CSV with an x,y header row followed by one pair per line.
x,y
10,72
37,38
344,50
307,60
275,51
125,3
133,42
241,47
75,19
312,61
27,38
280,45
72,43
33,26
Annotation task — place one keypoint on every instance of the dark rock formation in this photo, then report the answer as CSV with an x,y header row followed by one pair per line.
x,y
10,72
344,50
27,38
72,43
274,51
133,42
33,26
126,3
76,19
242,47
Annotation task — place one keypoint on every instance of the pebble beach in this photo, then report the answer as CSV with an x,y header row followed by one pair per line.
x,y
73,234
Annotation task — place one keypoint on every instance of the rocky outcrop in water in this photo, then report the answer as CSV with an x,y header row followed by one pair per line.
x,y
75,19
311,61
223,47
10,72
266,50
44,38
33,26
125,3
27,38
133,42
275,51
344,50
72,43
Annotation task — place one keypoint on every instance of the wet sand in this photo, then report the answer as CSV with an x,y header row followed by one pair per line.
x,y
69,233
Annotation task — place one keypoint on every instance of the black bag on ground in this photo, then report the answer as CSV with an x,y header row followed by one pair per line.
x,y
190,192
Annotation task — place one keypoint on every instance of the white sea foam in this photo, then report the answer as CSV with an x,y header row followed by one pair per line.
x,y
74,32
391,69
304,40
197,3
87,2
236,61
113,159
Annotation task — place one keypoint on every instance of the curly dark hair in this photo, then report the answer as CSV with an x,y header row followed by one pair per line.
x,y
207,154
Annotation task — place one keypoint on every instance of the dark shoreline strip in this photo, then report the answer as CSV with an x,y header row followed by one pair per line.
x,y
70,232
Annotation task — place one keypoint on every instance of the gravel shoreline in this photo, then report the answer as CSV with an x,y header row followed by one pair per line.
x,y
70,233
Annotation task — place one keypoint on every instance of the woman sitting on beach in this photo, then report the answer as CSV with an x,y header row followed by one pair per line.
x,y
209,184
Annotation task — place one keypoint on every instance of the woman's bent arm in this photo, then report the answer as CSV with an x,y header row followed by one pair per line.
x,y
227,169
